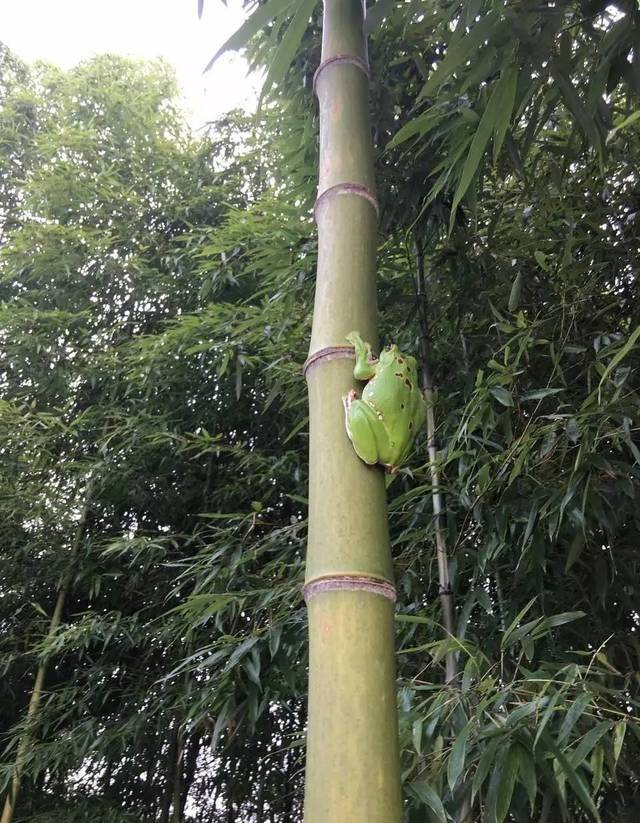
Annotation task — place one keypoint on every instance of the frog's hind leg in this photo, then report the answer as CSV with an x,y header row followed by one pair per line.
x,y
361,426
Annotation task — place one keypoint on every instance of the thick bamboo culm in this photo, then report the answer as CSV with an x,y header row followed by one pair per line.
x,y
352,771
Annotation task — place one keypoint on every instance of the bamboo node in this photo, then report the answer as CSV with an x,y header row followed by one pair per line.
x,y
328,353
337,59
346,188
349,582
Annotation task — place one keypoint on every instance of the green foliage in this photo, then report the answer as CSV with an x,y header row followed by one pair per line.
x,y
136,312
156,297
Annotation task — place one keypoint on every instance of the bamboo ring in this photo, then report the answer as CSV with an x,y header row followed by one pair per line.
x,y
328,353
347,188
337,59
349,582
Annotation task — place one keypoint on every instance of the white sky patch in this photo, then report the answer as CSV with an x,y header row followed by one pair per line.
x,y
65,32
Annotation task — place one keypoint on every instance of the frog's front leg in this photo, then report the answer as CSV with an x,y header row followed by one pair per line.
x,y
363,428
366,363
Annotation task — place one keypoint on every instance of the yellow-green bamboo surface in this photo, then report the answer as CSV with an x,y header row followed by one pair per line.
x,y
352,772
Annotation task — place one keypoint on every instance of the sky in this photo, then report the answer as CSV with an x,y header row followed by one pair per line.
x,y
65,32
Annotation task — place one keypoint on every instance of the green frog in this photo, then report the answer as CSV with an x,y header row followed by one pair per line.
x,y
383,423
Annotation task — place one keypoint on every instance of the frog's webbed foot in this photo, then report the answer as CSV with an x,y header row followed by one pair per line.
x,y
347,401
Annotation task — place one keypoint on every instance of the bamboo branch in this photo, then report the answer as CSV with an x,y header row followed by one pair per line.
x,y
38,686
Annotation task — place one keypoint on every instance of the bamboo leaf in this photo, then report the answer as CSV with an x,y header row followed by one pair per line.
x,y
564,617
523,631
514,295
260,18
596,762
546,716
575,781
480,69
527,773
289,44
418,126
377,13
539,394
221,721
240,651
507,784
461,50
491,807
428,795
624,351
417,735
455,765
501,785
484,765
618,739
508,94
586,745
541,260
573,715
624,124
576,107
275,635
502,395
491,117
514,623
296,429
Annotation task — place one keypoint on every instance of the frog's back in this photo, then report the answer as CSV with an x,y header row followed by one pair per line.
x,y
393,385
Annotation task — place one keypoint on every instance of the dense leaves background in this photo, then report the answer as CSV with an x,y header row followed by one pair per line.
x,y
156,293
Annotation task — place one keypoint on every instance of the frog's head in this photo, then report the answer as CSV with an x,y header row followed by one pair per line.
x,y
389,354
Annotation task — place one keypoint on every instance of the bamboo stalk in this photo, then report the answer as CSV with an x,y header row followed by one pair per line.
x,y
176,814
172,754
444,580
41,673
352,768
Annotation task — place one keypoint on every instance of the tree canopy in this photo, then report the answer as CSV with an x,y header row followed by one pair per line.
x,y
155,302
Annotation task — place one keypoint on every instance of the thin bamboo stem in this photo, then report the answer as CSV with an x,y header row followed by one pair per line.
x,y
444,580
352,770
41,672
500,598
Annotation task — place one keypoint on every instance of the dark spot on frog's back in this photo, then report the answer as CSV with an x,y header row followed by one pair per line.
x,y
399,374
408,383
400,360
410,424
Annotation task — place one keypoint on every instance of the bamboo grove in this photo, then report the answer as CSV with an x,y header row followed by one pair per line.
x,y
156,300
